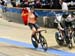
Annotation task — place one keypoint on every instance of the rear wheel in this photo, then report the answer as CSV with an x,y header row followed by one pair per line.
x,y
43,43
70,45
73,36
68,40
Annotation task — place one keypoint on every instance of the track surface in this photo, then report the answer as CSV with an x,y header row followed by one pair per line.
x,y
21,33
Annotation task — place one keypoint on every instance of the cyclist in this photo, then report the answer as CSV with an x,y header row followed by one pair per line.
x,y
32,22
65,23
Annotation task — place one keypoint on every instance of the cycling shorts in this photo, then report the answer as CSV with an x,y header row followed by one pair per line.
x,y
36,26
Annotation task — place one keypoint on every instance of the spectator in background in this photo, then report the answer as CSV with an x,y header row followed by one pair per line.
x,y
17,3
24,3
43,3
64,5
46,3
31,3
13,2
2,2
50,3
37,4
56,4
6,2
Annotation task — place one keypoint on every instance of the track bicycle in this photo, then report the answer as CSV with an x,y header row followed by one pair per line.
x,y
39,39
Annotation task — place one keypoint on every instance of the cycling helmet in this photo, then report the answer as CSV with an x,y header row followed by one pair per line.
x,y
65,15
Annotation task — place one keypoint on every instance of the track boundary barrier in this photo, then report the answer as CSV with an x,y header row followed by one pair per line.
x,y
14,14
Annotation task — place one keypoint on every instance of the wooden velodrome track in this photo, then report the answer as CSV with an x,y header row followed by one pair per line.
x,y
19,32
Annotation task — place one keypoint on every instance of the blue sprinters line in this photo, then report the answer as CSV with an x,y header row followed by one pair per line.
x,y
27,45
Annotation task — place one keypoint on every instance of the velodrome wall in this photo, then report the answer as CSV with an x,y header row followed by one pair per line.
x,y
14,15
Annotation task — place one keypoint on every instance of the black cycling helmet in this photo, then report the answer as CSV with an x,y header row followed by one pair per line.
x,y
65,14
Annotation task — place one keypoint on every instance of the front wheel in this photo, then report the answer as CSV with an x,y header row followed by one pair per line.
x,y
58,40
34,42
43,43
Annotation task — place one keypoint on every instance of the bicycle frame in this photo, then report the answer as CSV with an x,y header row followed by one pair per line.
x,y
40,40
39,32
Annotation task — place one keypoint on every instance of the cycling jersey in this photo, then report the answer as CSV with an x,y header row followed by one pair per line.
x,y
66,21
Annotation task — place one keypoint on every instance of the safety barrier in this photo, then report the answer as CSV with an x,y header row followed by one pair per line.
x,y
14,14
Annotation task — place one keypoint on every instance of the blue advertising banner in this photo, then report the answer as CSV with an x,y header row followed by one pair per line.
x,y
38,12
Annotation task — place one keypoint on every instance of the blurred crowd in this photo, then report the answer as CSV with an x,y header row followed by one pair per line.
x,y
47,4
41,3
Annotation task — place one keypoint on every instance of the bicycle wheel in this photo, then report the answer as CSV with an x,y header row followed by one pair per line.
x,y
73,36
43,43
69,39
70,45
60,42
34,42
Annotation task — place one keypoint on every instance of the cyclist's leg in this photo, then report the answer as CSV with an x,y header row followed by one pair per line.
x,y
33,30
36,26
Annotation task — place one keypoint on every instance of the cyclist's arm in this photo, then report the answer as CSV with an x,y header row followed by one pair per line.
x,y
60,27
